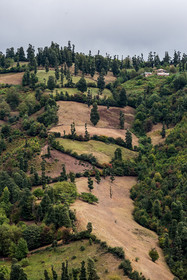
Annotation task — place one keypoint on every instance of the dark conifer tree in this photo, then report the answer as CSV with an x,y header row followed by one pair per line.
x,y
122,98
90,183
163,132
82,275
47,65
121,120
89,98
128,139
101,82
94,115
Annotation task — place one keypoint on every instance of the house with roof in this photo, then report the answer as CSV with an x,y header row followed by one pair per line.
x,y
162,72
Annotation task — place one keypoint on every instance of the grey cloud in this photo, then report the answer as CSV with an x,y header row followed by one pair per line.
x,y
116,27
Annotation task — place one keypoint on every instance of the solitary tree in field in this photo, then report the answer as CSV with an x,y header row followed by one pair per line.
x,y
73,130
97,176
121,120
90,183
63,175
89,98
89,227
86,135
128,139
153,254
94,115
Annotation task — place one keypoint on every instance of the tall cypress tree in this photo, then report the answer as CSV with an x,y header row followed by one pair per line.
x,y
82,275
122,98
94,115
128,139
121,120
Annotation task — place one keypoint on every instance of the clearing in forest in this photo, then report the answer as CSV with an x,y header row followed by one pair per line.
x,y
103,152
113,222
108,124
155,135
55,161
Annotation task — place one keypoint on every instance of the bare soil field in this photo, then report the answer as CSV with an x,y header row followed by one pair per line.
x,y
54,163
11,78
80,114
113,222
108,124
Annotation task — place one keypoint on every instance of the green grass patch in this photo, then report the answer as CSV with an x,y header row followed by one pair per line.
x,y
38,262
137,86
103,152
43,77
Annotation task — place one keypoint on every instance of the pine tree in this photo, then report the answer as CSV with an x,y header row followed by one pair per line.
x,y
43,178
121,120
89,98
92,273
92,68
62,76
101,82
55,277
75,273
46,65
76,68
86,135
122,98
45,203
82,275
57,75
63,175
163,132
73,130
21,249
46,275
51,83
90,183
94,115
39,213
97,176
82,85
89,227
128,139
72,177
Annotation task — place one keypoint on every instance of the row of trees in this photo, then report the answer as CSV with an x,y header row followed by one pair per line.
x,y
88,64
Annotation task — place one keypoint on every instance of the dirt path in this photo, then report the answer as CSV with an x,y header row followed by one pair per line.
x,y
113,222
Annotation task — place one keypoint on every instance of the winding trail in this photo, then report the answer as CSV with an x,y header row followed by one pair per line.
x,y
113,222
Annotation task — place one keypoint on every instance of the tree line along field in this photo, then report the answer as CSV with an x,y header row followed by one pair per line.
x,y
106,264
103,152
71,131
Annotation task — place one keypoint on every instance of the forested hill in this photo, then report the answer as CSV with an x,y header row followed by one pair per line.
x,y
160,196
67,116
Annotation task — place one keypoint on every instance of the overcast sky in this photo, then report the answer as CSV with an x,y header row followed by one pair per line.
x,y
114,26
